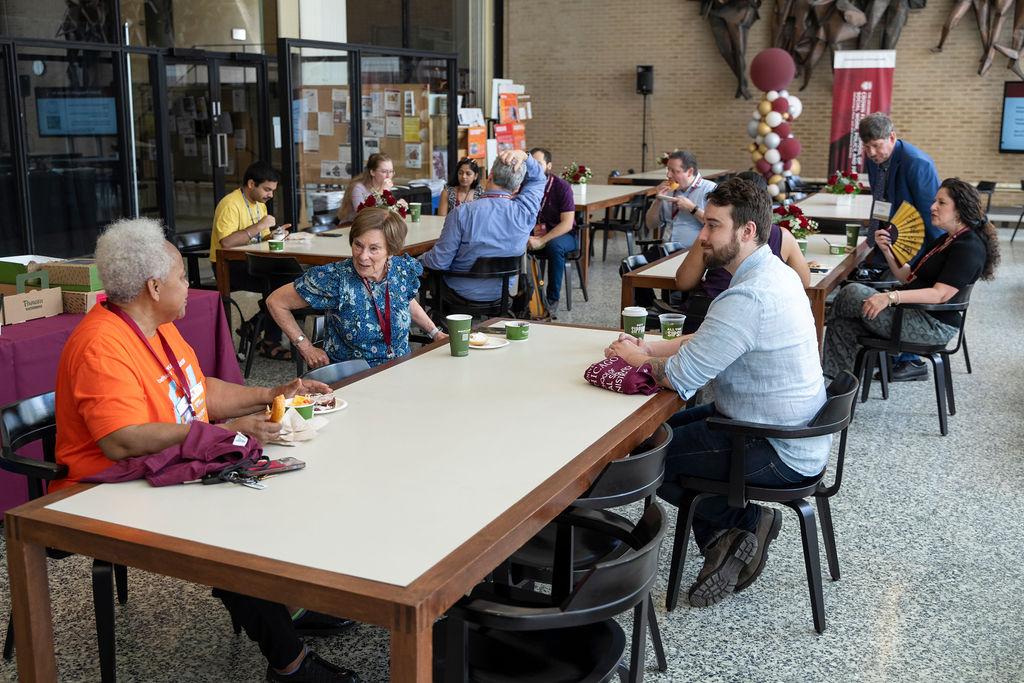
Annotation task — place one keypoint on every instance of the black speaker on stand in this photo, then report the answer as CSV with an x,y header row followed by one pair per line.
x,y
645,86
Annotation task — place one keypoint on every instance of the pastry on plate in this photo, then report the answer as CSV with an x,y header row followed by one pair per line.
x,y
478,339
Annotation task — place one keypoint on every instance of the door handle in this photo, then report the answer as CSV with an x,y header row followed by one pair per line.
x,y
222,150
209,152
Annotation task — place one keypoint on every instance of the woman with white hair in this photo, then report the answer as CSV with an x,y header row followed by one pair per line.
x,y
128,385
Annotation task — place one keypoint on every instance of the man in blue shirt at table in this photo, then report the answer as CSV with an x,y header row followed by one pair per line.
x,y
759,345
498,224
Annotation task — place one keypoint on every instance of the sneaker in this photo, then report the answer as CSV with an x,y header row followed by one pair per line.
x,y
723,562
553,309
907,371
310,623
768,525
314,669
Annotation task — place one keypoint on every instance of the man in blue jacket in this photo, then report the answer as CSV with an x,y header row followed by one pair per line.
x,y
899,172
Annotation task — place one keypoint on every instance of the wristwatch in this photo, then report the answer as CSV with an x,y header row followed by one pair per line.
x,y
298,340
892,298
693,211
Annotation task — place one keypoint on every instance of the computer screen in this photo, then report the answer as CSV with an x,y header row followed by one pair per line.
x,y
1011,132
76,111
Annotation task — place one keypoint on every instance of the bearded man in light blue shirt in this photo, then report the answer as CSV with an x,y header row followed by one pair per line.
x,y
759,345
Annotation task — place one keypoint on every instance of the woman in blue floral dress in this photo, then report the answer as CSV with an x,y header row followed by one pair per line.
x,y
369,300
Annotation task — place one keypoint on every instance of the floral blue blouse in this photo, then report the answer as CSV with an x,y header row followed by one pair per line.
x,y
352,329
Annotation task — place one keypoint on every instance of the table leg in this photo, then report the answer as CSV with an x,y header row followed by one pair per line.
x,y
30,597
223,277
628,293
817,298
412,653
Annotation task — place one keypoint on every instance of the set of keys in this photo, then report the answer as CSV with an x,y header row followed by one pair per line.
x,y
249,481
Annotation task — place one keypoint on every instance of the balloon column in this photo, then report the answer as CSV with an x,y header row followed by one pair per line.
x,y
775,149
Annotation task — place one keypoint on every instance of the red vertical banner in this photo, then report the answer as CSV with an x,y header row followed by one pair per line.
x,y
862,85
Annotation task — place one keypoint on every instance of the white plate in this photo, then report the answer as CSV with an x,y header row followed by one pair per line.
x,y
340,404
492,343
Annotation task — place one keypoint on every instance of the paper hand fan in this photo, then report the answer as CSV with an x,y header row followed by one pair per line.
x,y
908,232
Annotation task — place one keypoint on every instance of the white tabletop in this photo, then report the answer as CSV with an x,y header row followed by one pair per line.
x,y
667,267
591,193
422,459
825,206
660,174
428,229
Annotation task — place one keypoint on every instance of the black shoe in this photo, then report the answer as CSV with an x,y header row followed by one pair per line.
x,y
768,525
723,562
318,624
315,670
906,371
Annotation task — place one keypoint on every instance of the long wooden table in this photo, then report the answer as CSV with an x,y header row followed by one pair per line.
x,y
410,529
662,274
326,247
590,197
833,209
657,176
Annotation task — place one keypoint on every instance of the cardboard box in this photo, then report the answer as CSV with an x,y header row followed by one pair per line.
x,y
20,303
13,266
76,275
82,302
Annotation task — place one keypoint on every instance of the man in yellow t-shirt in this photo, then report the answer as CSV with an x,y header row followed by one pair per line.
x,y
241,217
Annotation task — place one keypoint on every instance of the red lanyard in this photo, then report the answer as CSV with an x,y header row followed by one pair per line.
x,y
940,248
179,376
383,318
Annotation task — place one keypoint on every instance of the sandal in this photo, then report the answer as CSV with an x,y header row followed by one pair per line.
x,y
274,351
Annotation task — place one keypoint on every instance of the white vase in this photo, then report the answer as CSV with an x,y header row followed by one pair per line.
x,y
583,189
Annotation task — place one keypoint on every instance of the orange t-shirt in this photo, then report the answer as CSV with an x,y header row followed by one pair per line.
x,y
107,379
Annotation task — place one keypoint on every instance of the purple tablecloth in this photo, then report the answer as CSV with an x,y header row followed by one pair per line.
x,y
29,353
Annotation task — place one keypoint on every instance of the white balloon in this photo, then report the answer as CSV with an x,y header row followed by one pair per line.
x,y
784,93
756,115
795,106
772,156
773,118
777,167
772,95
752,128
759,139
772,140
787,173
773,190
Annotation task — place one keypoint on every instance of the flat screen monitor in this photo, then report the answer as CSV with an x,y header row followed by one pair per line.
x,y
1011,132
76,111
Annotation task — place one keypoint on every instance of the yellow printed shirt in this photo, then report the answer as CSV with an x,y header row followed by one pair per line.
x,y
234,212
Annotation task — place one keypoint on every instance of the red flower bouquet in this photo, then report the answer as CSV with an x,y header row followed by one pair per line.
x,y
841,183
792,218
577,174
385,200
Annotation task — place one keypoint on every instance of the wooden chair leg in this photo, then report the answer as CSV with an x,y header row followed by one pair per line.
x,y
103,604
652,624
828,536
812,560
939,370
684,520
121,583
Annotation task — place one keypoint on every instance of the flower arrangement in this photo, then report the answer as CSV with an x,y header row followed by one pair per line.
x,y
385,200
792,218
577,173
841,183
663,158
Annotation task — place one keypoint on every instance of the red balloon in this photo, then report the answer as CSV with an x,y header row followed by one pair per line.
x,y
789,148
772,69
787,164
762,166
782,129
781,105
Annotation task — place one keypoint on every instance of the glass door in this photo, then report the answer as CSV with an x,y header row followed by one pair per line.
x,y
214,122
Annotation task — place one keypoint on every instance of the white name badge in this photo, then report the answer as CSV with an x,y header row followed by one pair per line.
x,y
881,210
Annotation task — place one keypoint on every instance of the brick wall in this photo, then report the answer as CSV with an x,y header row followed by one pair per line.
x,y
577,59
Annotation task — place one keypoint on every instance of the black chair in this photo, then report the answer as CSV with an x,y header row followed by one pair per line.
x,y
271,272
194,246
448,302
335,372
670,248
872,348
560,557
573,257
626,218
986,187
1020,219
416,193
33,420
502,633
834,417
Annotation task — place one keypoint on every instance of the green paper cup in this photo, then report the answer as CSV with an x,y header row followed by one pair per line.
x,y
671,325
305,411
415,209
517,331
458,333
852,234
276,245
634,321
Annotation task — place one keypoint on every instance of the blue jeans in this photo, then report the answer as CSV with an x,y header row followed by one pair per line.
x,y
696,451
555,251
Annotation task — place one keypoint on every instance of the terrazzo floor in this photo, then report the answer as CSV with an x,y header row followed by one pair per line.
x,y
929,533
